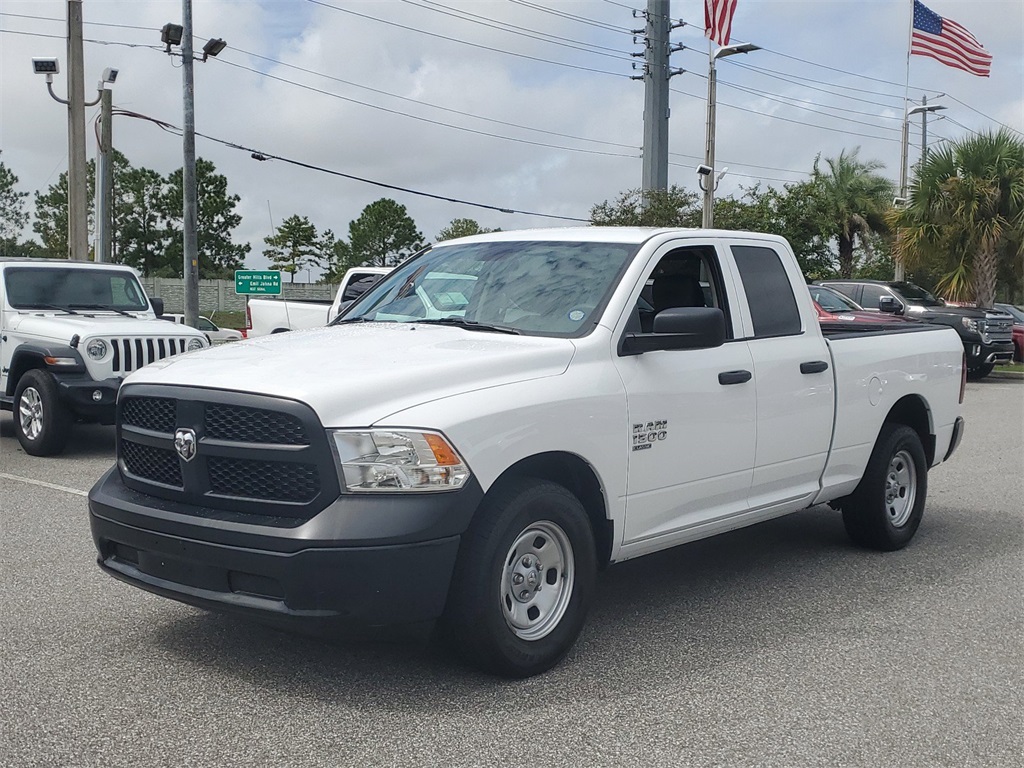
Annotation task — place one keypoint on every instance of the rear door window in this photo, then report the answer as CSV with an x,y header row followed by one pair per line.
x,y
769,293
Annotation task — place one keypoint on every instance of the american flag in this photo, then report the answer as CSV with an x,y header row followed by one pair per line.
x,y
718,19
946,41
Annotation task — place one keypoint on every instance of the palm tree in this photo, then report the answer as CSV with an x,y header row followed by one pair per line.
x,y
853,200
966,214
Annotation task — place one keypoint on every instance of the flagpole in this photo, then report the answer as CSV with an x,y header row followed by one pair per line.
x,y
900,272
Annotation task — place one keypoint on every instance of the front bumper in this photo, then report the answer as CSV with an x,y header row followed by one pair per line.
x,y
980,353
79,393
363,561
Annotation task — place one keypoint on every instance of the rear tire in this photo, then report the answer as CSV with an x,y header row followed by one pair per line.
x,y
524,579
41,421
885,510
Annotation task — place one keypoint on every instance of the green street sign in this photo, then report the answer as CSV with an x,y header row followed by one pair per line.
x,y
257,281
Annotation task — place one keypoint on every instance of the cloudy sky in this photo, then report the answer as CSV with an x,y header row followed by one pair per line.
x,y
525,105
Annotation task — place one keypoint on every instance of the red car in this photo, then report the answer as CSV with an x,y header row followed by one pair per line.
x,y
834,307
1018,329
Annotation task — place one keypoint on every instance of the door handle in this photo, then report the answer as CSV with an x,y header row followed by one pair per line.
x,y
814,367
734,377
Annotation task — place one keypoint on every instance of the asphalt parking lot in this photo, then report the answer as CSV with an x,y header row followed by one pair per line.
x,y
778,645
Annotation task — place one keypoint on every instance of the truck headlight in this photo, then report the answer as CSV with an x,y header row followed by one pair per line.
x,y
398,460
970,324
96,349
194,344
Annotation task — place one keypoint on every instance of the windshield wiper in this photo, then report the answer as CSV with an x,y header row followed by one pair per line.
x,y
51,306
469,325
104,308
343,320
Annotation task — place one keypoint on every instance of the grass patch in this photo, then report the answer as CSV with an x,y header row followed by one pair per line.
x,y
1012,368
228,319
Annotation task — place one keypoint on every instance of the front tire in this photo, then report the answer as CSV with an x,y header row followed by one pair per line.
x,y
41,421
524,580
885,510
980,371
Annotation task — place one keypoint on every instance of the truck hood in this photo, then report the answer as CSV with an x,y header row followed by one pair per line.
x,y
62,328
355,375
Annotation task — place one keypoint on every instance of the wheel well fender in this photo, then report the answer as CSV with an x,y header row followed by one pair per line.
x,y
914,413
24,360
579,477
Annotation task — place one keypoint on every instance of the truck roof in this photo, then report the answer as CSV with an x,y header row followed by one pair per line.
x,y
634,235
17,260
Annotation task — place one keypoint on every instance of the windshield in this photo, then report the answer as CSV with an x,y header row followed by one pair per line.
x,y
831,301
915,294
1017,312
65,288
530,287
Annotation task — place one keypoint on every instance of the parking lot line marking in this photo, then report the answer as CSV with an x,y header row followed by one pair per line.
x,y
30,481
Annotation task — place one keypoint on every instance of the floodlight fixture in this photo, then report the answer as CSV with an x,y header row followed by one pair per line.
x,y
704,170
109,75
48,67
213,47
729,50
170,35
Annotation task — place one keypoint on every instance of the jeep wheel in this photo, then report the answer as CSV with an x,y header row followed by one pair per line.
x,y
524,579
885,510
41,421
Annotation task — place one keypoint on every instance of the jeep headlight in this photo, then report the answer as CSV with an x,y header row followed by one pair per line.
x,y
96,349
398,460
194,344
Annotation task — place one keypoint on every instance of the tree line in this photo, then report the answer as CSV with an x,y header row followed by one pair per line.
x,y
960,231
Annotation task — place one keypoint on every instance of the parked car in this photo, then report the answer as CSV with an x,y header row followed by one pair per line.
x,y
266,315
986,333
834,307
213,333
1017,313
502,416
70,331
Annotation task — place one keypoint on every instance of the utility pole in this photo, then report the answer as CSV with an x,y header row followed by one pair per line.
x,y
188,176
708,214
78,222
656,110
105,179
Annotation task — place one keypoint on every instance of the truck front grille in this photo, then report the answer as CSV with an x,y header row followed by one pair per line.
x,y
998,329
130,354
254,454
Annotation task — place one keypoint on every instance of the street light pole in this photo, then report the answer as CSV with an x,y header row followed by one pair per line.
x,y
923,109
708,180
78,223
188,176
105,179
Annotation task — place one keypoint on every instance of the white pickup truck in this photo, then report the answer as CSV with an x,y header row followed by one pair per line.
x,y
69,332
593,395
269,315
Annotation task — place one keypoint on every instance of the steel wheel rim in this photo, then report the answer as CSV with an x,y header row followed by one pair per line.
x,y
30,413
537,579
900,488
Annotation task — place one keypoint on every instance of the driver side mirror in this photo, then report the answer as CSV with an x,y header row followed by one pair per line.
x,y
158,305
678,328
890,305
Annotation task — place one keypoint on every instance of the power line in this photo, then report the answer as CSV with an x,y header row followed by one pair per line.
x,y
263,156
426,103
514,29
419,118
977,111
788,120
465,42
572,17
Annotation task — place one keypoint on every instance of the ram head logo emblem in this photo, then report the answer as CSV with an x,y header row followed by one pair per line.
x,y
185,443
